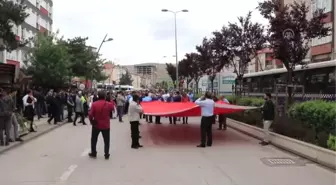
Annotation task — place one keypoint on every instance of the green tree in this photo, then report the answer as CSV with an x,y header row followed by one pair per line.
x,y
97,73
171,70
49,62
11,14
126,79
245,39
187,68
294,17
209,65
80,56
196,71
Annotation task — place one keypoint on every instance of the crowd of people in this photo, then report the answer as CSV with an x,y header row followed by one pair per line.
x,y
130,103
102,106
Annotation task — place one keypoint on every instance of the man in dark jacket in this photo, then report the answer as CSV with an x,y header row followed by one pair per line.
x,y
55,107
170,99
268,116
70,107
39,103
7,108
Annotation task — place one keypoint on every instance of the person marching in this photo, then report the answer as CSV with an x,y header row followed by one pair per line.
x,y
222,117
134,111
185,98
99,117
79,108
207,111
28,102
158,97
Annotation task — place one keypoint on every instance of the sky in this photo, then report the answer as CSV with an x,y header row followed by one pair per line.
x,y
141,32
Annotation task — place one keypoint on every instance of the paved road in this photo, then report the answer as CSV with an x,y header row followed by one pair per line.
x,y
168,158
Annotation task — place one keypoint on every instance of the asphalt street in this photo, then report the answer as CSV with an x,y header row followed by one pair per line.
x,y
169,157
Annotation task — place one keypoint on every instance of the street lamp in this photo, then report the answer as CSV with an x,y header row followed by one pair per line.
x,y
103,41
175,13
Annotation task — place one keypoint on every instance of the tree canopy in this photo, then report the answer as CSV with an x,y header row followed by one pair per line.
x,y
292,18
126,78
292,51
54,61
171,70
49,63
246,39
237,44
84,61
11,14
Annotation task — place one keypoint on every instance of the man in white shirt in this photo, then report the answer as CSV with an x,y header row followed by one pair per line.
x,y
207,111
134,111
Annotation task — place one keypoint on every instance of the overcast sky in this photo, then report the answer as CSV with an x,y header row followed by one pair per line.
x,y
141,32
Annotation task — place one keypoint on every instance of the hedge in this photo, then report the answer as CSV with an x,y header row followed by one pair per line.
x,y
310,121
252,117
317,115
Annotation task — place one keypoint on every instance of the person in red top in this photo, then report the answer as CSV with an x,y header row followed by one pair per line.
x,y
185,98
99,116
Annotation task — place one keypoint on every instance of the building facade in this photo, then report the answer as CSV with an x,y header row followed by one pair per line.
x,y
322,49
114,73
148,74
39,20
264,61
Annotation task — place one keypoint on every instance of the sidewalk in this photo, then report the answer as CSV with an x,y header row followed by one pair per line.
x,y
43,127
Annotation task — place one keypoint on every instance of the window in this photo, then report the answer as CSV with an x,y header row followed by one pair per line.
x,y
204,82
322,4
228,80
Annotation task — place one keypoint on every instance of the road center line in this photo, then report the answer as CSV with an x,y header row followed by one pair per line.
x,y
85,152
67,173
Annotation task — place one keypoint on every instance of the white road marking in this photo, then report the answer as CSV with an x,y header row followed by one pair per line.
x,y
85,152
67,173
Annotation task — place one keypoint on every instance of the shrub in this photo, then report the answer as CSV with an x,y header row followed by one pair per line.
x,y
310,121
318,115
332,142
252,117
245,101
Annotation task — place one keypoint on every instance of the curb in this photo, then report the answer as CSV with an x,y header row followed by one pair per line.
x,y
13,146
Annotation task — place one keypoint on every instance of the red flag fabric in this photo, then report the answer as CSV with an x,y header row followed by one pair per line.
x,y
189,109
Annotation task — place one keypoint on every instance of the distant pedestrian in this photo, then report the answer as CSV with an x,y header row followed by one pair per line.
x,y
6,112
28,102
99,117
120,105
70,107
79,108
185,98
222,117
268,116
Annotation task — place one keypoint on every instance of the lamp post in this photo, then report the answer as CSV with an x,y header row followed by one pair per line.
x,y
103,41
175,27
101,44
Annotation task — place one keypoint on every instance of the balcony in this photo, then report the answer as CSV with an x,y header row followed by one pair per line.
x,y
44,11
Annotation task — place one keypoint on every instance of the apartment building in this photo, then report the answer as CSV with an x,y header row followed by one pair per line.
x,y
322,49
148,73
39,20
114,73
263,61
